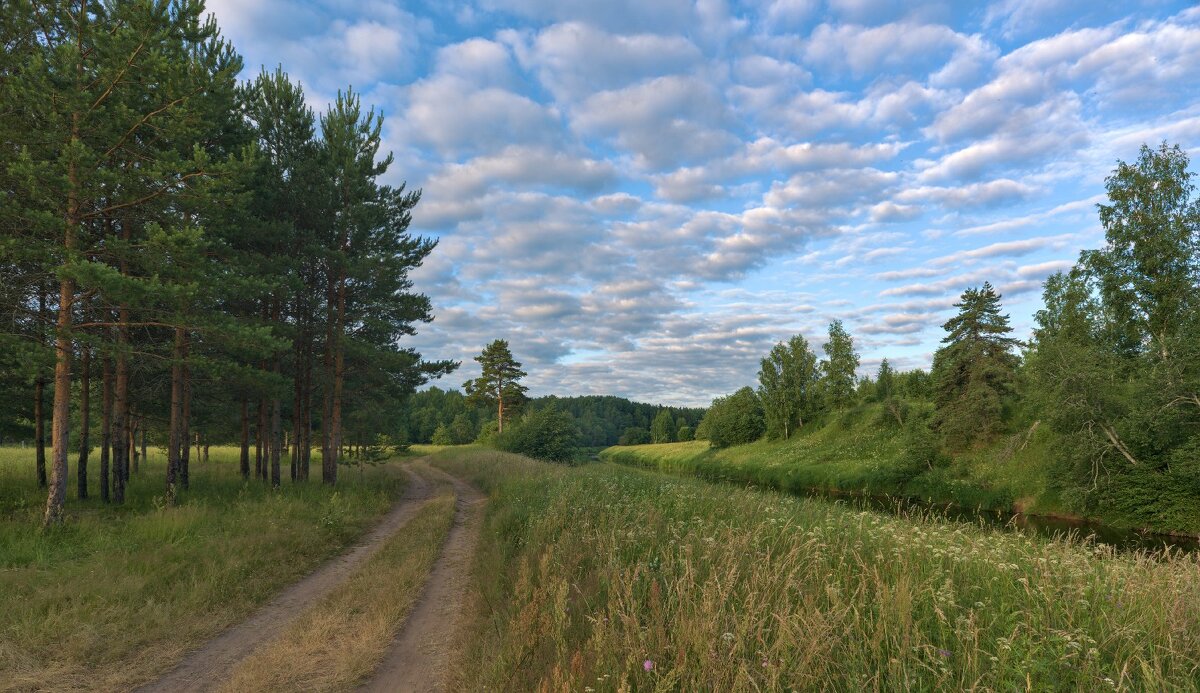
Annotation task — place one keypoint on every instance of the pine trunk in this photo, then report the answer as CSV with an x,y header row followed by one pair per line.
x,y
175,439
185,418
85,411
244,460
106,393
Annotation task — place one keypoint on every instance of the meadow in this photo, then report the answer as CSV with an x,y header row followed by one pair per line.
x,y
116,595
607,578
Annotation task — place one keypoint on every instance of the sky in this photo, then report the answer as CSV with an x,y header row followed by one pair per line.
x,y
642,196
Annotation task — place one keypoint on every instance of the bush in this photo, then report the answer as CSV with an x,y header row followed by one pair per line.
x,y
544,434
735,420
634,436
685,434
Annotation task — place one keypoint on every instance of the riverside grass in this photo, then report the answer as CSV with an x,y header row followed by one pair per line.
x,y
117,594
341,639
608,578
861,450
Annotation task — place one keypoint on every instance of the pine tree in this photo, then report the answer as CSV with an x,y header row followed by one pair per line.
x,y
499,382
975,372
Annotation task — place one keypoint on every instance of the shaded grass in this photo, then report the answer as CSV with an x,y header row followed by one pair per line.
x,y
117,594
606,578
342,639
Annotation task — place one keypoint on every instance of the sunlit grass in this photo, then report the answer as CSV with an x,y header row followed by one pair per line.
x,y
606,578
117,594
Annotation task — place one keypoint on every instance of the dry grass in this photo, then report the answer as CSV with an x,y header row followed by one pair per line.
x,y
340,640
117,595
611,579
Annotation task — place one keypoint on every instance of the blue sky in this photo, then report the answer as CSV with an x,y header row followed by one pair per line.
x,y
642,196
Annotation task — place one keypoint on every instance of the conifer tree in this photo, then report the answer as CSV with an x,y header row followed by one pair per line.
x,y
499,381
976,369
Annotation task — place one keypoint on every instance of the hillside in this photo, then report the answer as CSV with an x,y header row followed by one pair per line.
x,y
860,450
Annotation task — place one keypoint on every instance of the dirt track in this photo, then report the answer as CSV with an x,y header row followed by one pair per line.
x,y
426,649
205,668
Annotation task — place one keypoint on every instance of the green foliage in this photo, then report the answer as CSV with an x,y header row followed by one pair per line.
x,y
544,434
498,383
662,429
975,370
839,367
735,420
685,434
1114,364
635,436
441,436
789,387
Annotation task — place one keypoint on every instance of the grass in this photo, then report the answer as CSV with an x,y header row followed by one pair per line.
x,y
608,578
342,639
116,595
861,451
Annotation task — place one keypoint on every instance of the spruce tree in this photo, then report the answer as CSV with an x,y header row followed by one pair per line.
x,y
975,371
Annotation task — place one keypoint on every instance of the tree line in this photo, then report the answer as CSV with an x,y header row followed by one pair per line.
x,y
1113,365
450,417
189,257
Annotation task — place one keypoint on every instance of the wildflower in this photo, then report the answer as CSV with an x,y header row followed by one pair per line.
x,y
945,653
648,665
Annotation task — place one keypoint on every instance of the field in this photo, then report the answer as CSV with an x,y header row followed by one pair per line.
x,y
860,451
604,578
116,594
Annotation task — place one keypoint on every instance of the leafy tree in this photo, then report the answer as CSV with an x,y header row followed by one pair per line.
x,y
839,367
735,420
461,430
634,436
499,381
1113,366
975,371
789,380
685,434
544,434
441,436
662,430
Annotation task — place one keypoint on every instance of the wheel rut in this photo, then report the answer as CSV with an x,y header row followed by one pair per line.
x,y
205,668
427,646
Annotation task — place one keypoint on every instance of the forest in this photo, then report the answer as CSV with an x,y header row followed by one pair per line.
x,y
1107,388
191,259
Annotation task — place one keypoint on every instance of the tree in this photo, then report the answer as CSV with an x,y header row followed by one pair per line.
x,y
499,381
975,371
734,420
685,434
662,430
545,434
634,436
788,386
839,367
441,436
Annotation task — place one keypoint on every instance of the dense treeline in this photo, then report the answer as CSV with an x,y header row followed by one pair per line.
x,y
1113,367
187,258
446,417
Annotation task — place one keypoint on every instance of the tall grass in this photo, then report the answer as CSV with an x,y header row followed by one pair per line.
x,y
606,578
118,594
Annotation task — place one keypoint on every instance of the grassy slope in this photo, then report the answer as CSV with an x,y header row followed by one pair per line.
x,y
606,578
118,594
859,451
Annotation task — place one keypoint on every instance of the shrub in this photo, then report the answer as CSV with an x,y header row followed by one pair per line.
x,y
735,420
634,436
544,434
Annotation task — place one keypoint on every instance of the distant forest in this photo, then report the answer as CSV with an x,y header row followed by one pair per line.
x,y
446,417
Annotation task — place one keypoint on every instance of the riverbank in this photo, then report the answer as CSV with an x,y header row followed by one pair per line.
x,y
861,453
608,578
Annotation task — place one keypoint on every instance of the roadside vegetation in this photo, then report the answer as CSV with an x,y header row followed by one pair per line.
x,y
607,578
116,594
